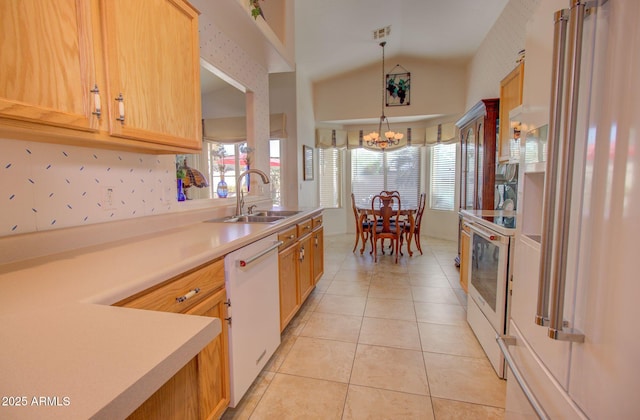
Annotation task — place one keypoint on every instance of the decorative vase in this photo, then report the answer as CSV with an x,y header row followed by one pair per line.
x,y
222,190
181,196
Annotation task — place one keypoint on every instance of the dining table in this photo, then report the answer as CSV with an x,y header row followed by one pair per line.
x,y
367,213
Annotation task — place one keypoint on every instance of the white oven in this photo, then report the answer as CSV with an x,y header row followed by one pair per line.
x,y
489,273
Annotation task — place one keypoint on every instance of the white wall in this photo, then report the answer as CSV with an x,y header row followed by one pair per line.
x,y
497,54
437,87
307,190
282,98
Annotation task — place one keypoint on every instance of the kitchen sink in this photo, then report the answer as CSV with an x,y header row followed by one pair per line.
x,y
247,219
275,213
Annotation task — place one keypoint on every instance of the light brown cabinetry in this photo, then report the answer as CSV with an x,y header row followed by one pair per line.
x,y
47,63
201,388
68,63
213,360
510,98
465,249
318,249
288,276
300,263
305,266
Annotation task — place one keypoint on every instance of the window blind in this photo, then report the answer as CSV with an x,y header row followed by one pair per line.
x,y
443,177
373,171
330,179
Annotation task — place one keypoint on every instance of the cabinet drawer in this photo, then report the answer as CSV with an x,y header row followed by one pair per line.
x,y
305,227
177,295
288,236
317,221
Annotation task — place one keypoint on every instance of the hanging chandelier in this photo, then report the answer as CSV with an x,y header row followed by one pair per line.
x,y
377,138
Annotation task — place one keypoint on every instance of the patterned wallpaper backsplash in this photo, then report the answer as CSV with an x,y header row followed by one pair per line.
x,y
47,186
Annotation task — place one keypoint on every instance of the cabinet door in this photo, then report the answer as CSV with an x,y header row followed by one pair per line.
x,y
213,360
289,301
176,399
470,169
318,254
510,98
480,164
305,266
152,60
47,63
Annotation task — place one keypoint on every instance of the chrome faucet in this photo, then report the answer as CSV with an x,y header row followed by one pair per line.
x,y
240,193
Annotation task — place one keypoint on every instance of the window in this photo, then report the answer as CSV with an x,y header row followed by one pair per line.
x,y
443,177
330,179
398,170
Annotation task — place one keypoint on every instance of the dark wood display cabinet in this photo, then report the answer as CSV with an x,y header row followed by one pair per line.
x,y
478,145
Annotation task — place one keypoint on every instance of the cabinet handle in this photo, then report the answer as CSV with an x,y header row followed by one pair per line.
x,y
96,101
301,253
228,320
192,293
316,241
292,236
120,101
504,342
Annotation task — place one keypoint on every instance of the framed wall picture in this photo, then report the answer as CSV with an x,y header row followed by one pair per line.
x,y
307,163
398,88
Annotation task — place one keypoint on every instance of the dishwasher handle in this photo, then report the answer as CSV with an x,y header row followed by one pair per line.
x,y
246,262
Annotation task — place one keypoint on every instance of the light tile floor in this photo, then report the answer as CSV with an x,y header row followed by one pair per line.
x,y
379,341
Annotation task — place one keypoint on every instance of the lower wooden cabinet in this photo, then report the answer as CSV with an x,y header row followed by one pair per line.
x,y
177,398
288,279
318,254
213,360
305,267
201,388
301,264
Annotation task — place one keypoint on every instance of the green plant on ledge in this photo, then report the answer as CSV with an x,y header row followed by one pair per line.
x,y
256,10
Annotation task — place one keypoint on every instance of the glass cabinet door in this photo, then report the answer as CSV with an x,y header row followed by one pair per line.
x,y
480,152
470,170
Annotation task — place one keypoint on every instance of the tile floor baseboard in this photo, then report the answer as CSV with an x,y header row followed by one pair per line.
x,y
379,341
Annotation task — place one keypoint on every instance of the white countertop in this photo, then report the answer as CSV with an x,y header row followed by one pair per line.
x,y
60,339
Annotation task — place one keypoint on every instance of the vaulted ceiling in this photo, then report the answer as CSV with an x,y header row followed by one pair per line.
x,y
336,36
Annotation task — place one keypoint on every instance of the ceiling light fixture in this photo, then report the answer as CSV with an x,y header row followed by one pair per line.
x,y
390,138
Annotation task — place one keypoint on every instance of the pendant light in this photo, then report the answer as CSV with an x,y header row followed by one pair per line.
x,y
377,138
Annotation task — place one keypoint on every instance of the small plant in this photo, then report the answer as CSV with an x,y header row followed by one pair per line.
x,y
247,154
256,10
219,154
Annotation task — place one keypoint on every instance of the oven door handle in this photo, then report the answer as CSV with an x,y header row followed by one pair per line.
x,y
487,234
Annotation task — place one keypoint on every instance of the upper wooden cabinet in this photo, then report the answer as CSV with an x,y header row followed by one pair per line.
x,y
47,61
510,98
116,73
478,141
153,61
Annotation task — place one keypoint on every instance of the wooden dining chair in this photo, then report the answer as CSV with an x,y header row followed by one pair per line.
x,y
417,223
387,209
363,225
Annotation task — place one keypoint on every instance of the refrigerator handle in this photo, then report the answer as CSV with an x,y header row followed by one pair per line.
x,y
559,264
504,341
549,197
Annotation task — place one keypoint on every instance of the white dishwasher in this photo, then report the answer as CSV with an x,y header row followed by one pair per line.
x,y
251,279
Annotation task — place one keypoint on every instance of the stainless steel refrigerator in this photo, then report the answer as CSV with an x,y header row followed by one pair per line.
x,y
573,341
